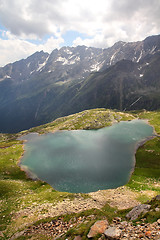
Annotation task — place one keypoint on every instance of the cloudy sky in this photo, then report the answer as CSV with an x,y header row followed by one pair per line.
x,y
27,26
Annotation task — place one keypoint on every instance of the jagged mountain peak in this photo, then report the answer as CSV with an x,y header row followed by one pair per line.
x,y
80,61
23,69
119,44
153,38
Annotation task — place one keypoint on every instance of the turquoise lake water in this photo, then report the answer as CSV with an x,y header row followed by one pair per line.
x,y
85,160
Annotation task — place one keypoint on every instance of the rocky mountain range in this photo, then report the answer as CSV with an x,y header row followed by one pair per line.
x,y
45,86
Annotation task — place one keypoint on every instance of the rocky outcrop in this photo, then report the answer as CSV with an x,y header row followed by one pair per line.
x,y
137,211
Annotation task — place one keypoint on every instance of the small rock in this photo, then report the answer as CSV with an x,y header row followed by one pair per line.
x,y
124,224
157,197
140,235
125,235
78,238
148,234
118,219
113,233
136,211
158,221
98,227
157,209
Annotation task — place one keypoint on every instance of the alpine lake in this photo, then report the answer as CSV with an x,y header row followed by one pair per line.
x,y
82,161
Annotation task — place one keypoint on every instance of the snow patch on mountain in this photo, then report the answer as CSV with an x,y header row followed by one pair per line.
x,y
71,60
140,56
61,59
97,66
32,72
76,59
153,49
113,56
41,65
6,76
28,64
68,51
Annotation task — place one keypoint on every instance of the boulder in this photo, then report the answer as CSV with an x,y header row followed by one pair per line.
x,y
98,227
113,233
136,211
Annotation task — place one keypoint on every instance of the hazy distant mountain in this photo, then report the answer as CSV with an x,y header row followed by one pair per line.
x,y
45,86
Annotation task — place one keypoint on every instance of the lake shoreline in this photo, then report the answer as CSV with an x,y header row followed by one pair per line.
x,y
34,177
25,169
138,145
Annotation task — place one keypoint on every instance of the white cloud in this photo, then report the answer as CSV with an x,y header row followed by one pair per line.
x,y
124,20
103,22
50,44
97,41
39,17
13,48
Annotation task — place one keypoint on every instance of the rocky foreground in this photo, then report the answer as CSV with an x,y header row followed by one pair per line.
x,y
124,230
135,226
117,230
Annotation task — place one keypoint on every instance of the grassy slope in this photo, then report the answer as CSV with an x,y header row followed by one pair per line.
x,y
146,175
18,192
88,119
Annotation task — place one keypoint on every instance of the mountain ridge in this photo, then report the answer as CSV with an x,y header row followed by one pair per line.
x,y
150,44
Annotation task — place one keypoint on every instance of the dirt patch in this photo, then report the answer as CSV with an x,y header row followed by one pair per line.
x,y
149,193
121,197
